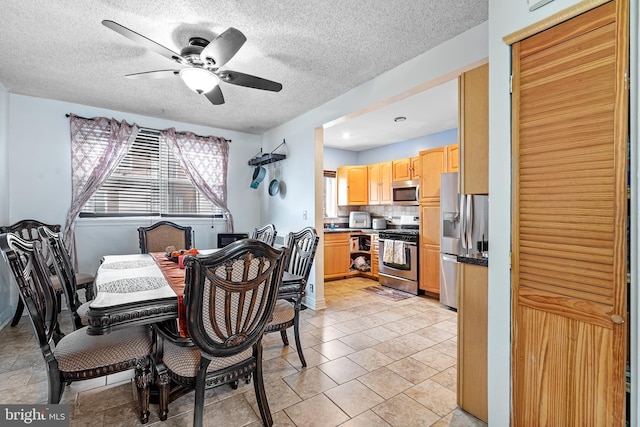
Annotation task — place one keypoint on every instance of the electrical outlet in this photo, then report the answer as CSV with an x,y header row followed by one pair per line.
x,y
311,287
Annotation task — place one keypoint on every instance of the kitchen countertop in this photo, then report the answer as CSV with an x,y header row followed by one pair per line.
x,y
476,259
351,230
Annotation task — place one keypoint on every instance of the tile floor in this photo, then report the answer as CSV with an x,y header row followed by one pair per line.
x,y
370,362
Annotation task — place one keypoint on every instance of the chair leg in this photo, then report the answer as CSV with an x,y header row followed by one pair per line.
x,y
143,377
88,292
18,314
296,333
198,410
285,338
163,382
258,386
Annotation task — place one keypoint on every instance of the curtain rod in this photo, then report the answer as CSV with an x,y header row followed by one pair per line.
x,y
90,118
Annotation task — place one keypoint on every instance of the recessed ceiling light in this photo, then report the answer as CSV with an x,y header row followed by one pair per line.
x,y
400,119
346,135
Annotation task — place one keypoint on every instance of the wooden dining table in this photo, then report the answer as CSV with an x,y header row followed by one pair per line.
x,y
144,289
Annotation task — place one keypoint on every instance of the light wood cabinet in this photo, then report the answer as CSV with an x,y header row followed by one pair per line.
x,y
353,185
472,339
337,258
453,158
433,163
406,169
430,248
473,130
379,179
430,269
375,249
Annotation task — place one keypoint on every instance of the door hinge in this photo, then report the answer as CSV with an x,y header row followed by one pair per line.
x,y
627,81
511,83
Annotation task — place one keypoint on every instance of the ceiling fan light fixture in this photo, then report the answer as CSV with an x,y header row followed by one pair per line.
x,y
199,80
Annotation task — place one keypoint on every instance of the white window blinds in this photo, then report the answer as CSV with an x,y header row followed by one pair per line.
x,y
148,182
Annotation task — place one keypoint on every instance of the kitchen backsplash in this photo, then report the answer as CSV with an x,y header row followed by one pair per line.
x,y
376,211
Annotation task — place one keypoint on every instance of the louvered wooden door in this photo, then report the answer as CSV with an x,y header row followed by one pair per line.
x,y
569,235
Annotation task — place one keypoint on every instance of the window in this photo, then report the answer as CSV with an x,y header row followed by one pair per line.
x,y
330,208
148,182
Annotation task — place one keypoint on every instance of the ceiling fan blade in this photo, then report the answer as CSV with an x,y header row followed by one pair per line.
x,y
215,96
222,48
247,80
142,40
148,75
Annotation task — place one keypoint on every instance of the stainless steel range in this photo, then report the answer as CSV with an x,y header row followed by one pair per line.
x,y
398,256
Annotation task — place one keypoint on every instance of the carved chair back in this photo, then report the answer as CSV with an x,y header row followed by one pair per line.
x,y
265,234
157,237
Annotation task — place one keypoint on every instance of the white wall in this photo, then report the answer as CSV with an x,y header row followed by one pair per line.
x,y
8,293
506,17
304,158
39,170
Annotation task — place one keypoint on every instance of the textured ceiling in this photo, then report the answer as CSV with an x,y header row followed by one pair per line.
x,y
317,49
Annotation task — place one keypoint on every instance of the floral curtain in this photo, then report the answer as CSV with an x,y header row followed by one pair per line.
x,y
205,161
97,147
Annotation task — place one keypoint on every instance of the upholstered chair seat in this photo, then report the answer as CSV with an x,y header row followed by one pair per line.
x,y
230,296
76,356
302,250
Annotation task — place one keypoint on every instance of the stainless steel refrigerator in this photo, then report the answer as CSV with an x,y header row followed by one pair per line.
x,y
464,230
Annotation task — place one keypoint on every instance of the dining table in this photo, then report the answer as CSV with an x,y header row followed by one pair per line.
x,y
137,289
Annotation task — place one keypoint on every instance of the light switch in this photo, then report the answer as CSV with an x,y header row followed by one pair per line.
x,y
304,214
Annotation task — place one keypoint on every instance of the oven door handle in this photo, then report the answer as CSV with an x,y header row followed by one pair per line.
x,y
390,240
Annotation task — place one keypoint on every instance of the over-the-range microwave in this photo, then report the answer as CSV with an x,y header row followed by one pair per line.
x,y
405,192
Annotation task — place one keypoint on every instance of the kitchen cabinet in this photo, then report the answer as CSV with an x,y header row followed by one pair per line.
x,y
379,176
473,281
406,169
453,158
430,248
353,185
473,130
433,163
337,258
375,249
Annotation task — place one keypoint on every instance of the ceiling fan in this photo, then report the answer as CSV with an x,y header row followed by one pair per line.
x,y
202,60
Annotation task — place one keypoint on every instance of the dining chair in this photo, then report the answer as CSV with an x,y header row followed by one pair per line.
x,y
65,275
229,297
265,234
76,356
302,251
157,237
27,229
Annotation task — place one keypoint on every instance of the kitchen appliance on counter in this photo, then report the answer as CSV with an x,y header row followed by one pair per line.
x,y
379,223
405,192
398,255
464,223
359,220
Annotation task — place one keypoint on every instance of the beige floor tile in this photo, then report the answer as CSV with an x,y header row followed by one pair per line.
x,y
354,397
402,411
359,341
447,378
366,419
413,370
433,396
370,359
328,333
459,418
309,382
410,346
333,349
435,359
318,411
342,370
385,382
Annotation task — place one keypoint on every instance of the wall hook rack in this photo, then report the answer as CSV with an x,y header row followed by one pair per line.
x,y
264,159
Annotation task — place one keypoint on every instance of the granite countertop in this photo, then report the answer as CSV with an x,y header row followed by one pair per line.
x,y
350,230
476,259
